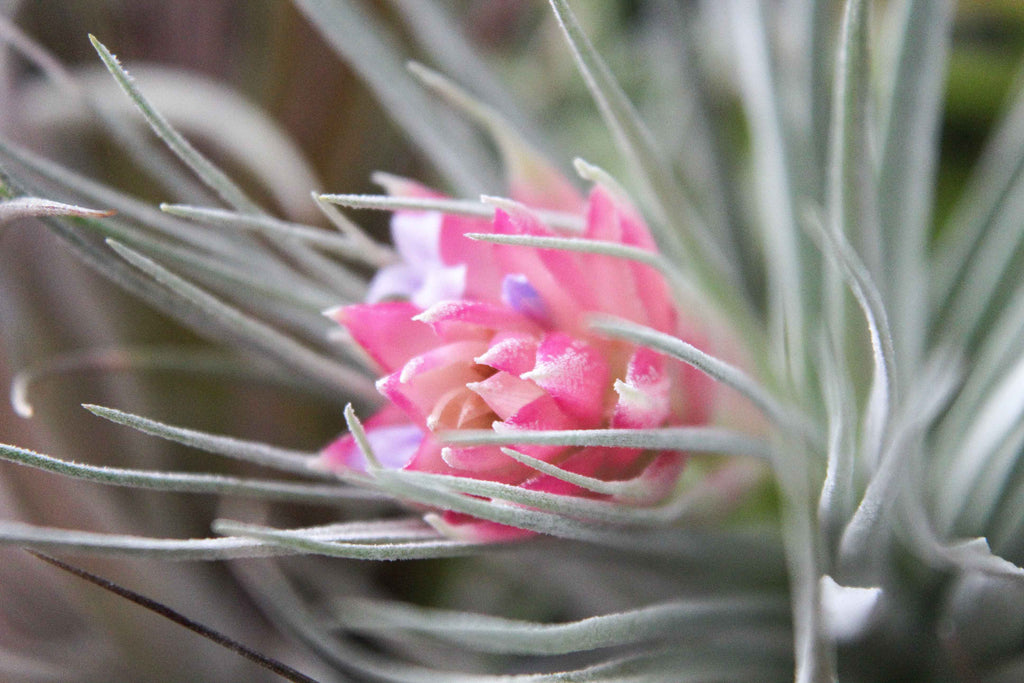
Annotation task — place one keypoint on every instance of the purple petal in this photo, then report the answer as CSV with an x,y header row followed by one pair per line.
x,y
417,237
397,281
518,294
394,446
440,284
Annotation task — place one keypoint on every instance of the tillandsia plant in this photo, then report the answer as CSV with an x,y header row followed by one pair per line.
x,y
742,404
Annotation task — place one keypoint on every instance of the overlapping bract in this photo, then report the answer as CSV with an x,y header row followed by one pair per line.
x,y
477,335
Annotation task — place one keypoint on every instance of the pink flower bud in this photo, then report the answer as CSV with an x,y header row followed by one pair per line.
x,y
489,336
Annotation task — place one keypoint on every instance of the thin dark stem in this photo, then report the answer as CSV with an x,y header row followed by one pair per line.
x,y
277,667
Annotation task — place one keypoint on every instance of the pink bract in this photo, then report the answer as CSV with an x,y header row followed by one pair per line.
x,y
476,335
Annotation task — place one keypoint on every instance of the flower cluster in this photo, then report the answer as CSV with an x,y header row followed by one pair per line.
x,y
478,335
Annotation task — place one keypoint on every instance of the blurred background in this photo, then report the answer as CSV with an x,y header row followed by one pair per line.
x,y
52,627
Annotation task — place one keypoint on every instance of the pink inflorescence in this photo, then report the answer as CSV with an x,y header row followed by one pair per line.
x,y
476,335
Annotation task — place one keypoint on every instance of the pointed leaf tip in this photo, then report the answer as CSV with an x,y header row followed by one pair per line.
x,y
37,207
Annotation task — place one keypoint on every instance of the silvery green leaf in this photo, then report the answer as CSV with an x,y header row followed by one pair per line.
x,y
786,269
611,512
987,453
981,233
688,239
185,482
210,174
496,634
906,177
309,544
251,331
462,207
52,539
884,387
851,199
838,491
897,481
365,251
258,453
701,439
28,207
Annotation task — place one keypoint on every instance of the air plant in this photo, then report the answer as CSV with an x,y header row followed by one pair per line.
x,y
726,410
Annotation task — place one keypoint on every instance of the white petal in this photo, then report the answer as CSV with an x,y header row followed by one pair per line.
x,y
398,281
846,610
417,236
441,284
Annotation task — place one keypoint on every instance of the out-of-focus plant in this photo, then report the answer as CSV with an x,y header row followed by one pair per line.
x,y
844,504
